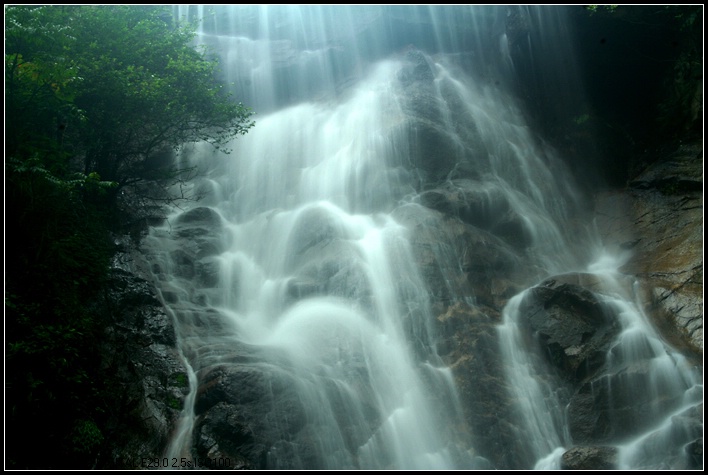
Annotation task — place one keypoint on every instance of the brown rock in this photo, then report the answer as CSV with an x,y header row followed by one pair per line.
x,y
590,458
659,220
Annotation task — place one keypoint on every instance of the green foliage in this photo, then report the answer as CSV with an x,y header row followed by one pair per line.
x,y
86,437
174,403
682,109
179,379
106,88
94,96
581,119
598,8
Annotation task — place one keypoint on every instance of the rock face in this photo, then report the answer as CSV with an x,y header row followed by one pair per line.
x,y
141,358
471,246
459,261
469,342
571,323
658,222
590,458
238,409
480,206
146,376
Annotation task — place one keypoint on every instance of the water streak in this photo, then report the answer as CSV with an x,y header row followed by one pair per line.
x,y
295,290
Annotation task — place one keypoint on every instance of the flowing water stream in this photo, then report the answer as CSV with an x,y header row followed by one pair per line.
x,y
651,393
303,287
328,294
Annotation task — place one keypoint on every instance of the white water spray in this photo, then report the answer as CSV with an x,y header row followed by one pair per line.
x,y
309,291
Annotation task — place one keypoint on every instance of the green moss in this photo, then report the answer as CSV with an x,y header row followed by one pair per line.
x,y
581,119
86,437
179,379
174,403
597,8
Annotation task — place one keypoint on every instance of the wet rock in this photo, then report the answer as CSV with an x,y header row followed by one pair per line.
x,y
223,434
612,408
253,415
416,69
316,228
235,410
590,458
658,451
482,206
145,377
658,222
433,150
207,271
459,261
574,327
201,216
437,148
694,452
197,235
469,345
326,263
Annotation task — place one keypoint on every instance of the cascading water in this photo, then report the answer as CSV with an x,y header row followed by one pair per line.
x,y
298,297
646,395
328,299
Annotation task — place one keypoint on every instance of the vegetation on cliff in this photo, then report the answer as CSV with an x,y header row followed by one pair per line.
x,y
96,100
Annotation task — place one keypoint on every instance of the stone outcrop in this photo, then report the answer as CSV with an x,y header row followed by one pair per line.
x,y
590,458
472,236
240,412
459,261
619,386
572,324
469,341
140,357
658,222
481,206
144,374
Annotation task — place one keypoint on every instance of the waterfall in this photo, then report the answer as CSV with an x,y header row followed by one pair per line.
x,y
296,284
324,296
649,392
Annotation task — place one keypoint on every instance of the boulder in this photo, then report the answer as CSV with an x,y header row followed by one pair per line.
x,y
253,414
590,458
574,327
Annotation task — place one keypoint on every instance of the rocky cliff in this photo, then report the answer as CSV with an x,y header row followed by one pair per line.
x,y
472,244
658,221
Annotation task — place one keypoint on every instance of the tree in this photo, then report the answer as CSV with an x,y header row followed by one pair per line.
x,y
95,96
109,90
